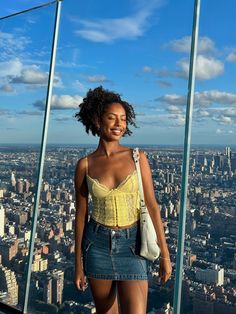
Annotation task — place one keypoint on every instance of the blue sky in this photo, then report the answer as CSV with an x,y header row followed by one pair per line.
x,y
134,47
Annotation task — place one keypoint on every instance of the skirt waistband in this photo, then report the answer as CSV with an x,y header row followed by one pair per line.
x,y
97,227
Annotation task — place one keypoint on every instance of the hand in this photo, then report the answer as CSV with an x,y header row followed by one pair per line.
x,y
165,269
80,280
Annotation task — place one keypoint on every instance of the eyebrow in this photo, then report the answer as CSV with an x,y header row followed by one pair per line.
x,y
115,114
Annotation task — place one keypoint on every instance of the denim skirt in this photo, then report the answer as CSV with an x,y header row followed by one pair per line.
x,y
112,254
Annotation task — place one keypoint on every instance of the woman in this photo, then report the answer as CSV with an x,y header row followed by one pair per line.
x,y
107,245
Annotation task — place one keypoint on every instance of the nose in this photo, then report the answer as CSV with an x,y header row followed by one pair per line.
x,y
118,121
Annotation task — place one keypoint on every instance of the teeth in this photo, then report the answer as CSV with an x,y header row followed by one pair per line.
x,y
116,131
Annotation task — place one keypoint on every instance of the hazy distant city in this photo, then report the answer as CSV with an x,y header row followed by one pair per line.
x,y
209,280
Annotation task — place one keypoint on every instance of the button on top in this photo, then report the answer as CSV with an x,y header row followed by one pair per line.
x,y
113,232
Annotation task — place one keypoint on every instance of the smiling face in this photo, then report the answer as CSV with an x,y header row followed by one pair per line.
x,y
113,122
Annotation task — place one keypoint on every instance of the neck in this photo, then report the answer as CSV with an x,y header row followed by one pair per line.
x,y
108,148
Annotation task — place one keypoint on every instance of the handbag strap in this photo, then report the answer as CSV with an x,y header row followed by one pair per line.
x,y
136,157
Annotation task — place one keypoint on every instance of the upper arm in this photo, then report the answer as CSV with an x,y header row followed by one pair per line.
x,y
81,189
147,180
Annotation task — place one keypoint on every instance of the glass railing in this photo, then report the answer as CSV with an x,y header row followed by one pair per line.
x,y
159,97
24,58
208,284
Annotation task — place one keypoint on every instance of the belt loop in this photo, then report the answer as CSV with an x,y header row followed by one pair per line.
x,y
127,233
96,227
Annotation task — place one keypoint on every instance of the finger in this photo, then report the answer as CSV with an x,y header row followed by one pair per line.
x,y
166,276
78,285
85,286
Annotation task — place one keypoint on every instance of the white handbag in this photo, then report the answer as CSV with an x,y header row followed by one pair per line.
x,y
149,245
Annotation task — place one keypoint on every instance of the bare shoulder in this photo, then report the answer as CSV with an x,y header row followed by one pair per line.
x,y
81,165
143,158
142,154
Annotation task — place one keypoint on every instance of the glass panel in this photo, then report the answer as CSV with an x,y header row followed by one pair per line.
x,y
25,42
144,68
209,258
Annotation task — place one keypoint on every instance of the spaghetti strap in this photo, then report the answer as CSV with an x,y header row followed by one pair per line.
x,y
86,165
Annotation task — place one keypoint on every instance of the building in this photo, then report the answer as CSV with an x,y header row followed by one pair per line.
x,y
214,275
47,290
39,263
57,286
166,309
8,249
2,220
9,285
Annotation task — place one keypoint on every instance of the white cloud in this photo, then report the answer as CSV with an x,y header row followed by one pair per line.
x,y
206,98
203,113
97,78
205,44
109,30
33,75
231,57
10,68
230,112
147,69
174,109
223,120
11,43
179,119
206,68
61,102
14,72
206,106
7,88
172,99
202,99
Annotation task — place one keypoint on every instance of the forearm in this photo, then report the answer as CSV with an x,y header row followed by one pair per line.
x,y
80,221
158,225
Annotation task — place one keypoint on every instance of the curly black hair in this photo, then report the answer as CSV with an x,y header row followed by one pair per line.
x,y
94,106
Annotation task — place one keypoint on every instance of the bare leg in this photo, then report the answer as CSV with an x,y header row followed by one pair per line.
x,y
104,296
133,296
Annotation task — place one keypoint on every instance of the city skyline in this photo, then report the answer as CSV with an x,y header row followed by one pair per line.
x,y
129,47
209,258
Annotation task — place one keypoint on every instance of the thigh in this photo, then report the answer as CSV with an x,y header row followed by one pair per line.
x,y
104,295
133,296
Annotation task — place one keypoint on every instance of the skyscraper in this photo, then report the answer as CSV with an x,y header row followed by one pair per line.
x,y
2,220
228,152
13,181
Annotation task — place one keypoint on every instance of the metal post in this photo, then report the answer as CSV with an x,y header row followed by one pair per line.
x,y
42,151
185,170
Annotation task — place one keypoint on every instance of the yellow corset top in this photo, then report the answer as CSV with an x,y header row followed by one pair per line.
x,y
115,207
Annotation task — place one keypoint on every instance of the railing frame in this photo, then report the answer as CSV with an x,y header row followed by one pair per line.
x,y
186,157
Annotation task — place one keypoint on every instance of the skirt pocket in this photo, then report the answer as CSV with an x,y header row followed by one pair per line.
x,y
142,261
